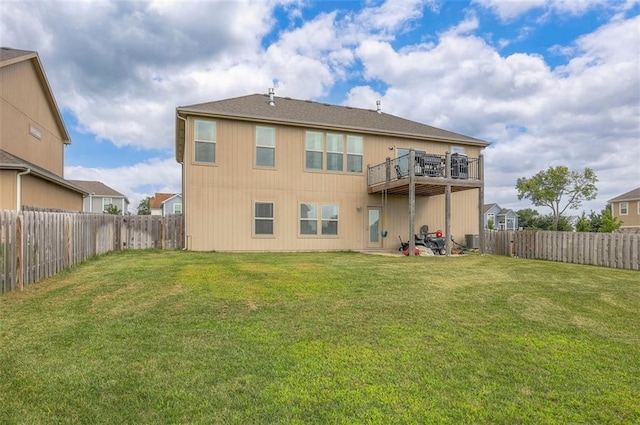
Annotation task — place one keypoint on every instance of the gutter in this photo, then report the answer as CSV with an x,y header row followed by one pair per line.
x,y
19,188
184,195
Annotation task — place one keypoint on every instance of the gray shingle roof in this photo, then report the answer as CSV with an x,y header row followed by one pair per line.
x,y
632,195
98,188
12,162
7,54
487,207
256,107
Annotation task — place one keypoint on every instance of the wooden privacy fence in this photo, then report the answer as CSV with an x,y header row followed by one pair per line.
x,y
617,250
36,245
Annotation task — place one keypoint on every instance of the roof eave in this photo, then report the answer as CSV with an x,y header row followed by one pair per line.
x,y
66,139
58,180
479,143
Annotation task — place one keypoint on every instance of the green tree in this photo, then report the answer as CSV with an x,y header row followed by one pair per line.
x,y
112,209
490,224
527,218
584,223
603,222
144,207
549,189
609,223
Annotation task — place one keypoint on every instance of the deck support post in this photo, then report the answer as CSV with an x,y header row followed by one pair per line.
x,y
447,219
481,204
412,201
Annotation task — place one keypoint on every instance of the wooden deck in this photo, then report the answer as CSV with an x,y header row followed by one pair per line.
x,y
431,174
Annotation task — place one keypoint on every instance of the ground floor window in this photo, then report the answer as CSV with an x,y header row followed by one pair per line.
x,y
319,219
263,218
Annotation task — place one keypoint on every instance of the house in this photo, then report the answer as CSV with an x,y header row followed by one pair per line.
x,y
500,218
32,138
166,203
101,196
573,221
268,173
626,208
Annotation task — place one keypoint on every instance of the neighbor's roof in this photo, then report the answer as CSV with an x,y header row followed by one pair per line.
x,y
98,189
12,162
159,198
633,195
306,113
9,56
487,207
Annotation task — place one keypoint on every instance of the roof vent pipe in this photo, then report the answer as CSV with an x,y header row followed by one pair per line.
x,y
378,110
271,97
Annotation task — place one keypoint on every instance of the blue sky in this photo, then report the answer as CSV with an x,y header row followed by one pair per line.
x,y
547,82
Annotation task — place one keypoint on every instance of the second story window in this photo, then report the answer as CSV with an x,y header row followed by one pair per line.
x,y
334,152
354,154
624,208
177,208
205,141
265,147
314,151
106,203
332,147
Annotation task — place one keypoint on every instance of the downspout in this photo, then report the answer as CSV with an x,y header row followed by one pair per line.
x,y
184,175
19,188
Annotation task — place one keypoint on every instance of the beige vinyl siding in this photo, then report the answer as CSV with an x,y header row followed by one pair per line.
x,y
8,189
23,103
220,199
41,193
632,218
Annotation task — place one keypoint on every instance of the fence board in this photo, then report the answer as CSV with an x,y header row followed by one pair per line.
x,y
614,250
35,245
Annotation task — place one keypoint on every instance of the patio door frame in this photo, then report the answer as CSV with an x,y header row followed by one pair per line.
x,y
377,243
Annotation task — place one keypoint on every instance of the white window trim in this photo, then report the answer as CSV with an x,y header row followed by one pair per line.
x,y
626,204
254,218
255,162
360,154
344,152
174,207
319,220
106,204
214,142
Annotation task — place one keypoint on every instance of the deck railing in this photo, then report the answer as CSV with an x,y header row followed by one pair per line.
x,y
425,165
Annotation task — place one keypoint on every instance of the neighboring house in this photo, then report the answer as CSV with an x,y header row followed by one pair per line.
x,y
267,173
101,196
626,208
502,218
573,221
32,138
166,203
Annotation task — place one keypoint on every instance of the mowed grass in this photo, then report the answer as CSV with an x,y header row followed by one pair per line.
x,y
141,337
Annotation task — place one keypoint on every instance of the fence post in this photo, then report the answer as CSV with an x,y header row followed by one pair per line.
x,y
19,262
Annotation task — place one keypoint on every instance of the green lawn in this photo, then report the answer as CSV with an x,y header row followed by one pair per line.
x,y
177,337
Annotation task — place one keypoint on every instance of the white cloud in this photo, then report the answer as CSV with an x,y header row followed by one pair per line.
x,y
122,67
508,10
585,114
